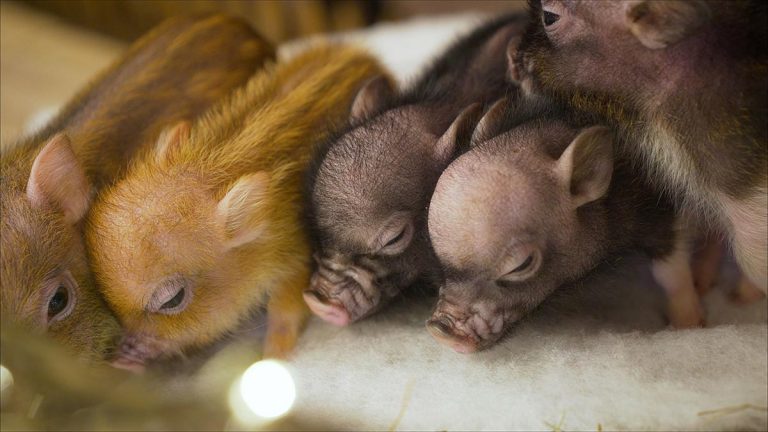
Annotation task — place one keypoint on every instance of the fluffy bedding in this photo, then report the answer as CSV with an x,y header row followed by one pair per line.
x,y
596,356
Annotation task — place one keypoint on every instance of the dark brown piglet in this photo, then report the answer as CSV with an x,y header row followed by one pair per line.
x,y
686,83
372,182
173,73
542,199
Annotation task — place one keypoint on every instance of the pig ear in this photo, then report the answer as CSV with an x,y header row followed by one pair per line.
x,y
57,180
459,133
171,139
492,122
241,212
587,164
513,68
658,24
372,98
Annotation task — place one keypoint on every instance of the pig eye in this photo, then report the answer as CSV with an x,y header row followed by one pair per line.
x,y
521,268
395,238
58,302
524,265
171,297
61,298
175,301
549,18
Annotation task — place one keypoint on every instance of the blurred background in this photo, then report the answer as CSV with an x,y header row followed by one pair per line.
x,y
50,48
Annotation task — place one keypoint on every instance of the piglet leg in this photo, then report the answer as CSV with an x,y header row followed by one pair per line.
x,y
749,230
674,274
706,263
747,292
286,315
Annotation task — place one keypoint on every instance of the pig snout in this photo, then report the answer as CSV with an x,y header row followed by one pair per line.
x,y
465,332
341,299
133,353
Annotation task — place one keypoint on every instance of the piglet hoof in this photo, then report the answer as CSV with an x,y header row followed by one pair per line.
x,y
279,343
687,318
326,309
443,331
283,331
746,293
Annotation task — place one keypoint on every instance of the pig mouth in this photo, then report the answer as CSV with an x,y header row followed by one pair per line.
x,y
467,331
135,351
341,299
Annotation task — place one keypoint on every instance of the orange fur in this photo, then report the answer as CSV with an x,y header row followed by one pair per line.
x,y
221,208
174,72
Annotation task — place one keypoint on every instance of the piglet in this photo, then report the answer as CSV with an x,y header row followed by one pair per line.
x,y
685,82
371,183
175,72
207,226
541,199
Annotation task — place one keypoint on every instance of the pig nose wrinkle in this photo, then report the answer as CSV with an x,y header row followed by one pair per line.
x,y
444,325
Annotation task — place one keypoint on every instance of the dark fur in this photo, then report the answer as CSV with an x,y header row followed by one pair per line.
x,y
466,73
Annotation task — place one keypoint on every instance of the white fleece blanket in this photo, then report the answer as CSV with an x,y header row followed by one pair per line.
x,y
594,358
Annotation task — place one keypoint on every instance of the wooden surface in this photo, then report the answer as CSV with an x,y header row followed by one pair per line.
x,y
43,62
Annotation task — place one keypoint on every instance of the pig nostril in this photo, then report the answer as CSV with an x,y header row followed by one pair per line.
x,y
442,325
317,295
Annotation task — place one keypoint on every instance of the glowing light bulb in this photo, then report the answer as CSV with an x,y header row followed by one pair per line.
x,y
6,378
265,391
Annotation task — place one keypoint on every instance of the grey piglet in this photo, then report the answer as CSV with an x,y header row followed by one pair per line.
x,y
542,199
370,185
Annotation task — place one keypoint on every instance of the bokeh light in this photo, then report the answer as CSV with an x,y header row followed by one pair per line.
x,y
265,391
6,378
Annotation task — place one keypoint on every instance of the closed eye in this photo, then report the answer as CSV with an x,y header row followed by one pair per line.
x,y
523,266
175,301
396,239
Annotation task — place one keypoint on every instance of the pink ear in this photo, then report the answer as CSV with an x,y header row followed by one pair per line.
x,y
586,166
659,24
372,98
459,133
171,138
57,180
492,122
241,212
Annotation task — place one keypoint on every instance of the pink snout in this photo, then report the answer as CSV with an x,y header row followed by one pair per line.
x,y
329,310
443,330
134,351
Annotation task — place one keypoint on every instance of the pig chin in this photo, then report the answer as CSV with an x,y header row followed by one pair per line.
x,y
468,330
344,300
135,351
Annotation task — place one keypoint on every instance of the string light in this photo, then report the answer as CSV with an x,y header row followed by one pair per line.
x,y
6,378
264,392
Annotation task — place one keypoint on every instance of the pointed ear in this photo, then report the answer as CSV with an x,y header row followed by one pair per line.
x,y
514,72
458,134
171,138
492,122
658,24
587,164
57,180
372,98
241,212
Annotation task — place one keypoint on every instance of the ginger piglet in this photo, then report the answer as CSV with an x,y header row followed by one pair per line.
x,y
175,72
209,223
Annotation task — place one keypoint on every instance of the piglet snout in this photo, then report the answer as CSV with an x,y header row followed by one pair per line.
x,y
330,311
444,331
342,298
134,352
